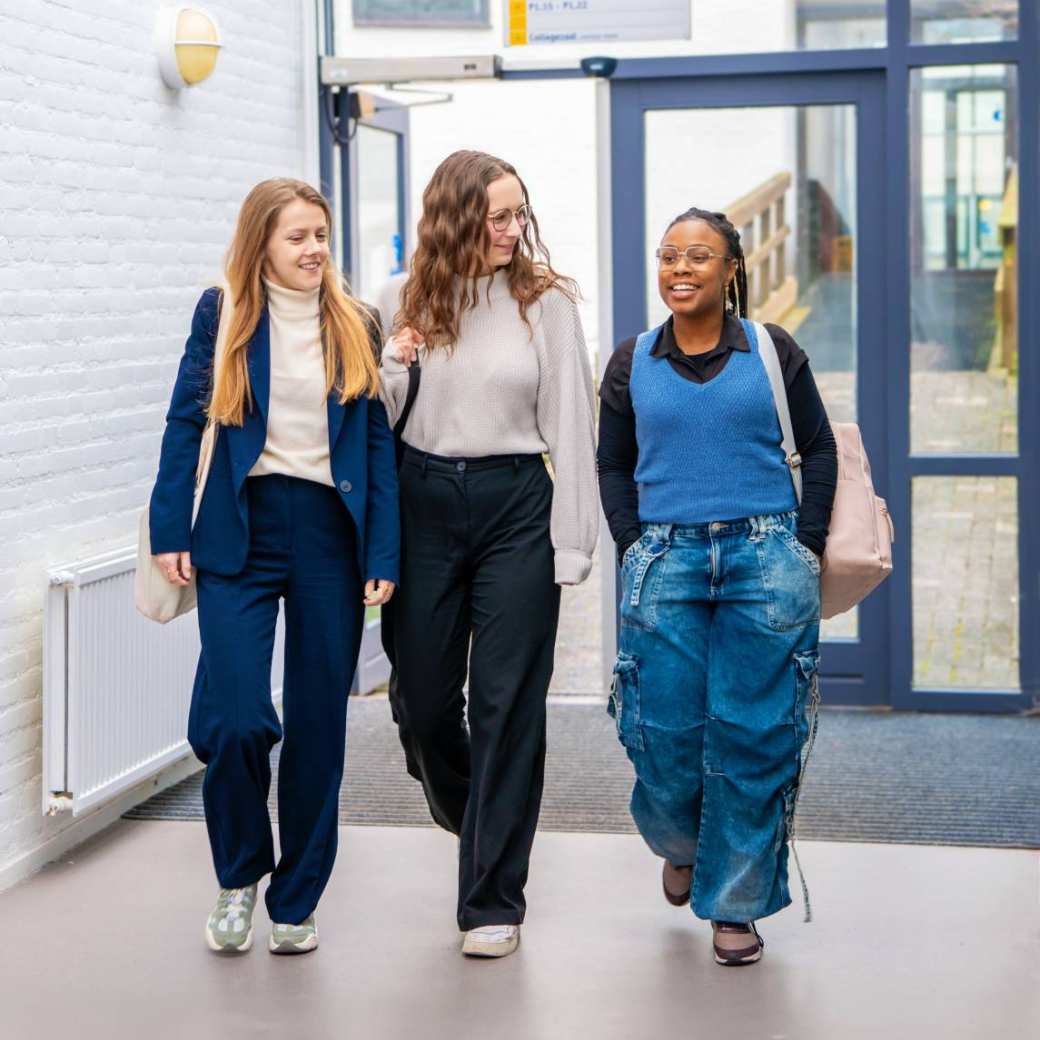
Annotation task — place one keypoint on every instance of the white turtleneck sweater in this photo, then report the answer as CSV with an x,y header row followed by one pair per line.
x,y
506,389
297,420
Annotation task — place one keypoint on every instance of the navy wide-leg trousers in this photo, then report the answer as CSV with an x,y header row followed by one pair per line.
x,y
303,550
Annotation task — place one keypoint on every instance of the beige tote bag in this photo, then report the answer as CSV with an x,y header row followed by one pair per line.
x,y
858,556
155,597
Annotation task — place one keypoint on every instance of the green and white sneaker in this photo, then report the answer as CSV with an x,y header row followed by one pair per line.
x,y
294,938
230,926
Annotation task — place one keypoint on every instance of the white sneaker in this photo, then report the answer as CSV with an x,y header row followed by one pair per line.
x,y
494,940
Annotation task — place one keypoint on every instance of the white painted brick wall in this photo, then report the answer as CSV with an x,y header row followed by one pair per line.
x,y
117,199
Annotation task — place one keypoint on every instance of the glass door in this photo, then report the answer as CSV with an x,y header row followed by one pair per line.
x,y
796,162
376,187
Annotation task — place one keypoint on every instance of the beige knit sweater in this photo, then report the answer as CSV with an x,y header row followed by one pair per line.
x,y
504,390
297,416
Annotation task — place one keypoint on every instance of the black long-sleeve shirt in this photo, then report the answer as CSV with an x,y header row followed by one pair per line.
x,y
618,450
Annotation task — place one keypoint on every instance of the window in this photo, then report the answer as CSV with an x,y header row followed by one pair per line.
x,y
963,248
963,21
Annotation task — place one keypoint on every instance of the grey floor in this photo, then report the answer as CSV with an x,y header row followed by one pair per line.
x,y
908,942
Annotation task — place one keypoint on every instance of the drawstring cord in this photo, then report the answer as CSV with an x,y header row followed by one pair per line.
x,y
812,714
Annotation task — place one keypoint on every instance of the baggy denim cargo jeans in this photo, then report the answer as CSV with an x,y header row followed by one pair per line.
x,y
715,692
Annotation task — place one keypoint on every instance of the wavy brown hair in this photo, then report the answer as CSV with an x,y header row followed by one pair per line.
x,y
351,368
453,242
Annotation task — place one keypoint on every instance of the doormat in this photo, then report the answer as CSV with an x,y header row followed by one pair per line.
x,y
874,776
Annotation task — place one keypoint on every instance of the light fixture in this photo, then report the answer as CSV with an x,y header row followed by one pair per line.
x,y
186,43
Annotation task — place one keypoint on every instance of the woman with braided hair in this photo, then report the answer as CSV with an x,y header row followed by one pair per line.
x,y
715,679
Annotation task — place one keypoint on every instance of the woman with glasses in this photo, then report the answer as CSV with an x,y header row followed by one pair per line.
x,y
715,677
487,537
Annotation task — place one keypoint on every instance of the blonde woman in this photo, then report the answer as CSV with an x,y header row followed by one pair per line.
x,y
488,538
300,506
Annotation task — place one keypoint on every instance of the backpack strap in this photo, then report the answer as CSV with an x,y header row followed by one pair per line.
x,y
756,332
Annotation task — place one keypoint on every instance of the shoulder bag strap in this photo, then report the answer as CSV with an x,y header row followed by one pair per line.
x,y
771,360
209,435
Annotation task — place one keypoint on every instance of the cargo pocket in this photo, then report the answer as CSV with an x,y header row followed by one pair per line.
x,y
806,701
623,704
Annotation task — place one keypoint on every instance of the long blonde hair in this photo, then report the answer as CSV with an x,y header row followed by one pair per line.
x,y
351,366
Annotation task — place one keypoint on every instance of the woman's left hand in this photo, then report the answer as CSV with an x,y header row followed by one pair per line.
x,y
378,592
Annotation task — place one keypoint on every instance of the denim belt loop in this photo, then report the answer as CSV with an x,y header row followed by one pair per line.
x,y
425,461
516,463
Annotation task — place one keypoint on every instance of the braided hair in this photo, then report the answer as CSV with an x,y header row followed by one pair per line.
x,y
736,298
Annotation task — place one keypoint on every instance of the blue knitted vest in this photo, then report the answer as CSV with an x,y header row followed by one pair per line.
x,y
707,451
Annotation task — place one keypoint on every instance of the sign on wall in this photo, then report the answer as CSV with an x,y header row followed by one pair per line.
x,y
422,14
595,21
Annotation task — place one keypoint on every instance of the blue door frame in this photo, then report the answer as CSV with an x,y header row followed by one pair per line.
x,y
884,393
852,671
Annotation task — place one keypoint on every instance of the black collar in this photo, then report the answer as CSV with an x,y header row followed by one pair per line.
x,y
732,338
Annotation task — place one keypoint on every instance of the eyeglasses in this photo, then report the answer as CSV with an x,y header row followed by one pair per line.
x,y
501,220
698,256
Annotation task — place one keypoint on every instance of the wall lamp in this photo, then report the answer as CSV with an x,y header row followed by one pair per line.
x,y
186,43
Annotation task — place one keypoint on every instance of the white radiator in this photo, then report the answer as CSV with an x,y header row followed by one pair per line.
x,y
116,687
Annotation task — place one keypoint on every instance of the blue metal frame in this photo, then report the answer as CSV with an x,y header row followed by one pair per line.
x,y
884,409
903,466
326,145
855,671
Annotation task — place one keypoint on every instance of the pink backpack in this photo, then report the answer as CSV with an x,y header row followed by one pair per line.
x,y
858,556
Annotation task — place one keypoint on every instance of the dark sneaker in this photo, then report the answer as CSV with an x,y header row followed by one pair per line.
x,y
676,883
735,943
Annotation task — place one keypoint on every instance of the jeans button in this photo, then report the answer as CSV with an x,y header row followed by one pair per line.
x,y
460,466
346,487
716,527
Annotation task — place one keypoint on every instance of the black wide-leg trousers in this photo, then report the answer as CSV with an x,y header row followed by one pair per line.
x,y
477,581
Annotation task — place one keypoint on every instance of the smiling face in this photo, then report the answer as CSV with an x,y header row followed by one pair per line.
x,y
504,195
694,290
298,248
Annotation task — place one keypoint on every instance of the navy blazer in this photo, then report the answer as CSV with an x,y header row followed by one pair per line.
x,y
361,447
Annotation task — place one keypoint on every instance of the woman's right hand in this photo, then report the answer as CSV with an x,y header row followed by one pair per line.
x,y
176,567
405,345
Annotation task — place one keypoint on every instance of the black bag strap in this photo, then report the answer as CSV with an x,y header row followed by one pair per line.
x,y
414,375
